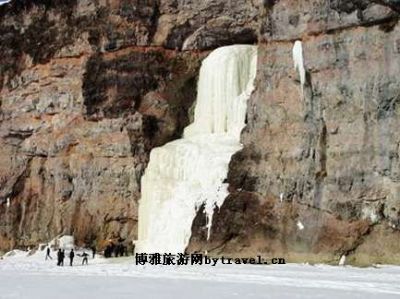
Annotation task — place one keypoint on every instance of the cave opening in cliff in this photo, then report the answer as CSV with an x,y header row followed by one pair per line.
x,y
190,172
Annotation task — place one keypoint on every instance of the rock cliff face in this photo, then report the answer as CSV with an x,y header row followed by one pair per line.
x,y
319,173
88,88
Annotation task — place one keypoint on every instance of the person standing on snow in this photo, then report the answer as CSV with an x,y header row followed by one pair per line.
x,y
59,253
48,256
93,251
71,257
85,258
62,257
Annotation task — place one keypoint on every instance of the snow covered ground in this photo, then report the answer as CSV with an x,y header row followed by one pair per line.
x,y
33,277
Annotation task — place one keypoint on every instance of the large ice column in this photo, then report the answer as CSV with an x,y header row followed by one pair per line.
x,y
186,173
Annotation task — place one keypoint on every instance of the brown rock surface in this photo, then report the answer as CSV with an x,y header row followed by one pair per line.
x,y
88,88
328,159
85,97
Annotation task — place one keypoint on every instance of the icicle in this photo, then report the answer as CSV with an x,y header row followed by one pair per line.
x,y
299,62
189,172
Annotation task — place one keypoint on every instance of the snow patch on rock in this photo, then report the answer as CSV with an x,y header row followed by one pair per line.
x,y
300,225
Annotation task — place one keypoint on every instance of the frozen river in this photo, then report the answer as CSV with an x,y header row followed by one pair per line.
x,y
22,277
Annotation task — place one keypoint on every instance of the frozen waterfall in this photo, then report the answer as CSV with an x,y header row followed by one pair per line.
x,y
186,173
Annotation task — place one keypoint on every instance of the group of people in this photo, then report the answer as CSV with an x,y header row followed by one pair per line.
x,y
111,250
116,250
61,256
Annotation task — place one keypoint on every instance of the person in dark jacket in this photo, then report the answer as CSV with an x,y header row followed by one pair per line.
x,y
59,253
71,257
62,258
93,251
48,256
85,258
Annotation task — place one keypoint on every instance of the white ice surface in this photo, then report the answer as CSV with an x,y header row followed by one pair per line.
x,y
32,278
66,242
